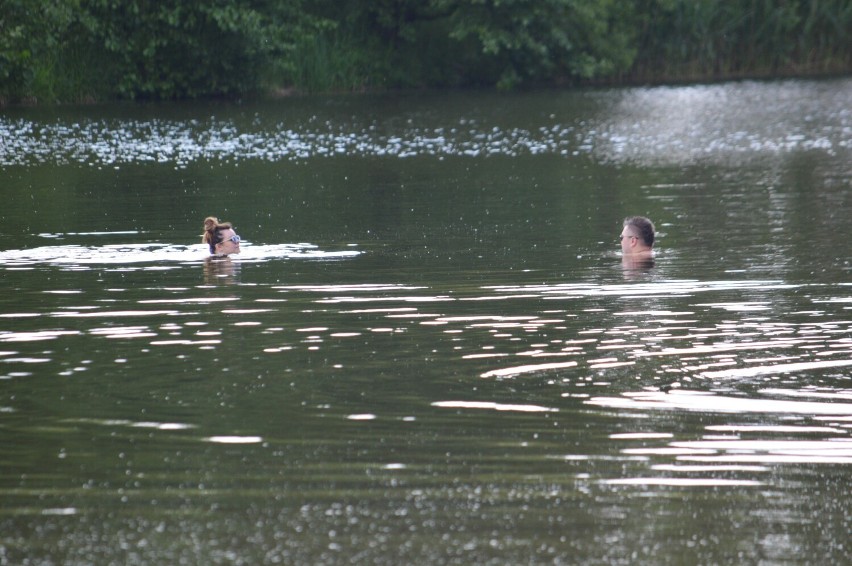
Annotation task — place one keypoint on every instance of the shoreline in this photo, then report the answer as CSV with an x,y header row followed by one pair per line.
x,y
628,80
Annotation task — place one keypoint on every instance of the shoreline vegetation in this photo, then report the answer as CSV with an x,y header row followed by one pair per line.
x,y
79,51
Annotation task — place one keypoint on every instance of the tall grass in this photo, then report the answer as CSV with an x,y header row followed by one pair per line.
x,y
73,74
711,39
331,62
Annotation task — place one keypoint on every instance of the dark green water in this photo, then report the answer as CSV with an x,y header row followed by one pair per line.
x,y
428,351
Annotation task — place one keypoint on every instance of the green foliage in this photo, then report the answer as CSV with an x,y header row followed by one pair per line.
x,y
146,49
491,42
176,49
534,40
329,62
66,50
709,39
29,35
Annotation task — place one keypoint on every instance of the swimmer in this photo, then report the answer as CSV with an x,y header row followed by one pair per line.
x,y
220,237
637,242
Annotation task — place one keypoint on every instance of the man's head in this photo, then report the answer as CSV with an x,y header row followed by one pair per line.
x,y
637,236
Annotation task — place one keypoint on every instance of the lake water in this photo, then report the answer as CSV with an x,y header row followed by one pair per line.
x,y
428,351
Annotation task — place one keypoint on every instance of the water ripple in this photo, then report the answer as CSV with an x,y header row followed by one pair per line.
x,y
707,402
123,254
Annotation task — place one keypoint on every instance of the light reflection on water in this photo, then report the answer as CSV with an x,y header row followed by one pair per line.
x,y
713,122
122,254
706,402
664,348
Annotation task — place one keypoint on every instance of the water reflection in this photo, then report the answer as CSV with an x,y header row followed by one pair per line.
x,y
581,334
493,406
711,122
709,402
636,267
221,271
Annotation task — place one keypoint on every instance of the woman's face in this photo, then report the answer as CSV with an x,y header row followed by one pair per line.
x,y
230,243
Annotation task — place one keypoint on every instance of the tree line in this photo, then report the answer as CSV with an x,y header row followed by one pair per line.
x,y
77,50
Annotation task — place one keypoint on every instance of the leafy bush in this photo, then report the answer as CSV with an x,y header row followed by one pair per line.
x,y
66,50
177,49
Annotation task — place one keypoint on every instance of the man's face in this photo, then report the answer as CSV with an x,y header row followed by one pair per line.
x,y
628,240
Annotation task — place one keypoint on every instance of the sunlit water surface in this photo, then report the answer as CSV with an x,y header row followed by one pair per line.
x,y
428,350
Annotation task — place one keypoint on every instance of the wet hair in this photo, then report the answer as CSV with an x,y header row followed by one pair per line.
x,y
213,232
644,227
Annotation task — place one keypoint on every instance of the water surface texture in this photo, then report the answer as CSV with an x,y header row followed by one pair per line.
x,y
428,351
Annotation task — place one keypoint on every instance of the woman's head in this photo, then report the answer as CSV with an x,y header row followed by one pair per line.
x,y
220,236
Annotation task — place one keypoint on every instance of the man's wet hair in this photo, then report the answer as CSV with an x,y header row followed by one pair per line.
x,y
644,228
